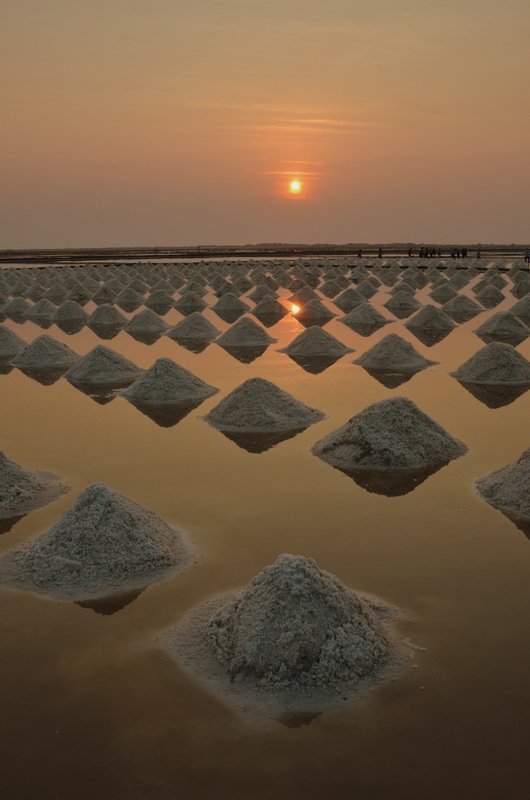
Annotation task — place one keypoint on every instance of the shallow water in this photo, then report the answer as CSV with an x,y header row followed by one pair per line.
x,y
93,708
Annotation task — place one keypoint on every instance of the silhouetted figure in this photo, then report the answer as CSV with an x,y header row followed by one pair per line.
x,y
527,255
359,253
410,252
478,252
380,253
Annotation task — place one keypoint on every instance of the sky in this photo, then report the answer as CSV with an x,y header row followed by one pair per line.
x,y
169,122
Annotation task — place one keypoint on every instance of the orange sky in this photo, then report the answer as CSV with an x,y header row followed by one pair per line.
x,y
151,122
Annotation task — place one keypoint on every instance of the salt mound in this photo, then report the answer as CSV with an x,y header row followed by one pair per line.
x,y
462,308
316,342
503,327
348,299
195,327
393,354
364,319
392,436
10,343
70,311
402,305
259,406
245,333
489,297
146,322
314,313
43,310
508,490
101,545
22,490
296,627
190,302
430,318
45,353
496,363
269,310
230,304
522,309
103,367
106,314
168,383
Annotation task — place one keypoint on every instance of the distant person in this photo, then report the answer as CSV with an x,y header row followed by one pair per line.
x,y
478,252
439,252
410,252
527,255
359,253
380,253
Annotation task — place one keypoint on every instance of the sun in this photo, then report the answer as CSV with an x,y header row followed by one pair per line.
x,y
295,187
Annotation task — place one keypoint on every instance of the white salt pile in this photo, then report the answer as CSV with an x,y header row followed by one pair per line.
x,y
364,319
317,343
104,544
168,383
402,305
503,327
489,297
159,301
508,489
269,311
393,354
230,307
462,308
104,368
106,314
245,333
389,436
189,303
195,327
45,353
314,313
496,363
260,406
522,309
294,638
146,322
22,490
348,299
70,311
10,343
430,318
44,310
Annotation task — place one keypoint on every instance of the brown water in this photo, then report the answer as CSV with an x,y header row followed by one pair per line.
x,y
93,708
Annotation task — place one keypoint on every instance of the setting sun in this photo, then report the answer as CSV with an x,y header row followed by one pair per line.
x,y
295,187
295,309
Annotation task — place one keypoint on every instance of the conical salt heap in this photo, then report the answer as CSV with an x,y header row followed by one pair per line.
x,y
44,310
245,333
106,315
503,327
190,302
314,313
295,638
489,297
269,311
365,319
195,327
315,342
103,368
146,322
229,307
430,318
393,354
16,309
260,406
10,343
402,305
496,363
167,383
70,311
45,353
508,489
348,299
104,544
522,309
462,308
22,490
389,447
